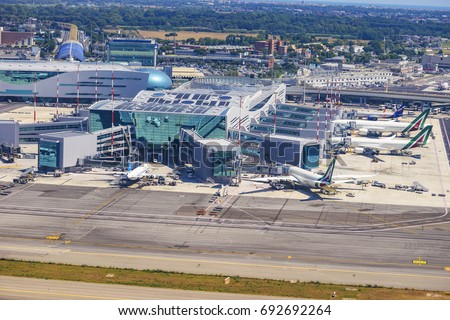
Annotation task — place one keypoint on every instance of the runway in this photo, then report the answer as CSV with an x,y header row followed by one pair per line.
x,y
327,241
13,288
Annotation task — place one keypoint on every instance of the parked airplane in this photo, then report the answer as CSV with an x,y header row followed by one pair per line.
x,y
367,126
385,114
384,144
305,178
137,173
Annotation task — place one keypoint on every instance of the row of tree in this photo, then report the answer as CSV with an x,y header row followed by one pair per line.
x,y
288,24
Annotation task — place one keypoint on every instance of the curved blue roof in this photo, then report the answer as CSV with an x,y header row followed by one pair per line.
x,y
157,80
71,49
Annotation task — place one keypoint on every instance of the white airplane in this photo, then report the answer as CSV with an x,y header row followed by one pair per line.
x,y
305,178
366,126
384,144
137,173
385,115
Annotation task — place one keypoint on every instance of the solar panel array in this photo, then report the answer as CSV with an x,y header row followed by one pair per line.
x,y
213,103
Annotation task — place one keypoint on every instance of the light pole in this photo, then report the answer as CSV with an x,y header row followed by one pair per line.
x,y
34,94
57,92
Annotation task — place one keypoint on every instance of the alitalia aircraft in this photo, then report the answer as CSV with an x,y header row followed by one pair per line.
x,y
304,178
367,126
360,144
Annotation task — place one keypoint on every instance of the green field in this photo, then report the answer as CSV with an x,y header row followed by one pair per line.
x,y
445,47
161,279
183,35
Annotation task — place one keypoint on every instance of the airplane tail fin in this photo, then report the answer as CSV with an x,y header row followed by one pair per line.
x,y
327,177
398,112
420,139
418,123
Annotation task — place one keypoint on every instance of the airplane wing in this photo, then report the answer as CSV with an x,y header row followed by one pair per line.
x,y
379,125
376,128
353,178
343,181
341,176
373,147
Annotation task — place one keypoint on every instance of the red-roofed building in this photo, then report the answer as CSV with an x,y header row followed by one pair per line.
x,y
14,38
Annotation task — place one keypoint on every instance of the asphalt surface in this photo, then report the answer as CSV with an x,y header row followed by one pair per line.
x,y
445,129
6,107
13,288
327,241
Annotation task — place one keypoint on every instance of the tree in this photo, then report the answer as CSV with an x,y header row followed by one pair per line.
x,y
363,58
376,46
338,42
200,52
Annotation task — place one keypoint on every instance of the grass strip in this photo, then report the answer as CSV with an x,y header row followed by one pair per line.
x,y
214,283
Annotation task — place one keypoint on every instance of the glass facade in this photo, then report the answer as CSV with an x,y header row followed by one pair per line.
x,y
24,77
129,50
48,155
291,115
310,156
269,128
221,163
294,108
159,129
283,122
29,133
291,120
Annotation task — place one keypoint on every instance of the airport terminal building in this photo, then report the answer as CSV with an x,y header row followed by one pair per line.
x,y
213,110
251,113
219,125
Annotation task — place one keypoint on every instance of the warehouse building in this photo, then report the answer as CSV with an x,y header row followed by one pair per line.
x,y
67,149
64,149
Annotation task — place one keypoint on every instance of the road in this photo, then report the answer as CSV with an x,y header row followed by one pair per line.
x,y
401,93
327,241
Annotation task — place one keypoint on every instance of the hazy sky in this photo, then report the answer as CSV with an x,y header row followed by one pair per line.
x,y
437,3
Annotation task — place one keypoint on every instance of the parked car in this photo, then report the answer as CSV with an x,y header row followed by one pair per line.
x,y
378,184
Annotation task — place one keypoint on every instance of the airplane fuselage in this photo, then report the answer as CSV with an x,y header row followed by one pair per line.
x,y
306,178
366,114
374,126
137,173
384,143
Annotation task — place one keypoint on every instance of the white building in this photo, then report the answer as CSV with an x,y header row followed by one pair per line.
x,y
438,61
86,82
348,79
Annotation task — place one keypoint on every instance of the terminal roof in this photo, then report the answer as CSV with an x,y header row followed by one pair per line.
x,y
60,66
217,142
188,100
64,134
